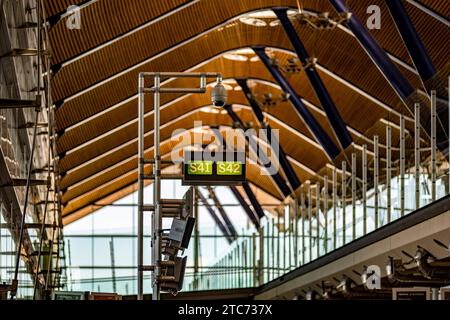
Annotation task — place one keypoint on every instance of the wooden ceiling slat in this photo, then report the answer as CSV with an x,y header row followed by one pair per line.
x,y
336,50
53,7
128,111
101,22
151,40
434,35
442,7
345,60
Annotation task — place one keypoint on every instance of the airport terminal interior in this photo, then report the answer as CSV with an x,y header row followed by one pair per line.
x,y
224,149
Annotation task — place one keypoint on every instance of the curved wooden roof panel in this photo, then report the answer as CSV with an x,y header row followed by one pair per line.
x,y
96,68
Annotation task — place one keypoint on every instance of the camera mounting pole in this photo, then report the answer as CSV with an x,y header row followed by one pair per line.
x,y
218,99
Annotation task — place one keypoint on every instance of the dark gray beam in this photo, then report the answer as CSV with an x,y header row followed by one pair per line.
x,y
395,78
214,216
222,212
314,126
285,164
411,38
334,118
279,181
245,206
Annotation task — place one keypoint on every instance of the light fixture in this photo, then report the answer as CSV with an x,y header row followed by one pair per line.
x,y
262,14
235,57
244,51
229,81
244,54
210,109
253,21
213,110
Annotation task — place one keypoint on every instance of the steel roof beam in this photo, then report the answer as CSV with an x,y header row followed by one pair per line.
x,y
316,129
412,40
216,219
287,168
279,181
258,211
245,206
395,78
222,212
335,119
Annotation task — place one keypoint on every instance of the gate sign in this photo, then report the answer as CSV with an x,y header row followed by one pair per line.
x,y
213,168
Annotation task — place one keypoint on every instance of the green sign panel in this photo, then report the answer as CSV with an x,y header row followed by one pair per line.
x,y
200,167
229,168
226,168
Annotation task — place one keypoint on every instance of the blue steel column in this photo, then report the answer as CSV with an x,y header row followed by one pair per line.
x,y
391,72
254,219
216,219
251,141
335,119
319,133
396,79
413,43
222,212
285,164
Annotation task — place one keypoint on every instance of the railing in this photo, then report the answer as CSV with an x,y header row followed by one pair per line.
x,y
290,241
402,169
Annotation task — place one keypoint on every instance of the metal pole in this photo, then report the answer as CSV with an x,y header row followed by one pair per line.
x,y
284,243
273,247
24,211
296,213
196,240
344,196
433,145
302,207
290,227
310,234
278,245
140,240
44,219
232,265
261,256
364,190
417,153
325,213
318,218
253,253
238,265
388,171
244,260
156,232
375,178
113,264
268,241
247,271
334,207
49,264
353,196
402,165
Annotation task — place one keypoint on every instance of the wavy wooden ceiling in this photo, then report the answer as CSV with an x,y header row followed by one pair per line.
x,y
96,68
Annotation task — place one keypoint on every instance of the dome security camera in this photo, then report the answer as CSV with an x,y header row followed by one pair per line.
x,y
219,94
